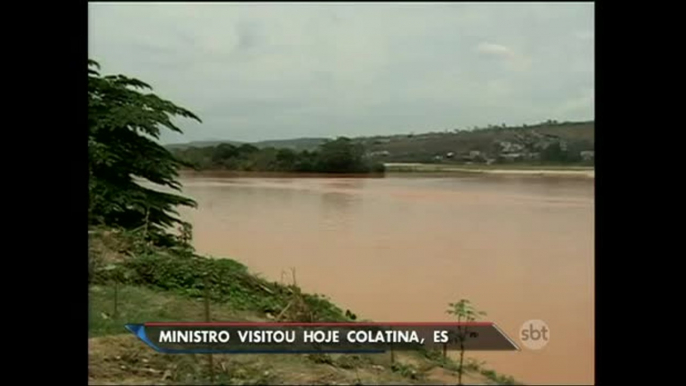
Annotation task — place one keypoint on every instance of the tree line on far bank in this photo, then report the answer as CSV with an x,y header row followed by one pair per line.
x,y
341,155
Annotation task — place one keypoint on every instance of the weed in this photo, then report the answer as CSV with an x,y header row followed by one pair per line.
x,y
349,362
465,312
228,281
320,359
498,378
406,370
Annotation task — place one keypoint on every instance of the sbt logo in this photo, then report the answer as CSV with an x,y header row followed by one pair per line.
x,y
534,334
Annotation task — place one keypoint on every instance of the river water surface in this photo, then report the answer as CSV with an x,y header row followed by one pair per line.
x,y
401,248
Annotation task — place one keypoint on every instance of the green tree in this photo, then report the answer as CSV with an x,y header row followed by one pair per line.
x,y
307,162
341,155
465,312
286,160
265,159
246,150
124,124
223,152
554,153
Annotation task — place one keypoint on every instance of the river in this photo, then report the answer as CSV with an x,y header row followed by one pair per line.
x,y
401,248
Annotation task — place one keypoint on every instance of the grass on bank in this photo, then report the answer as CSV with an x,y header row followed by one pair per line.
x,y
159,285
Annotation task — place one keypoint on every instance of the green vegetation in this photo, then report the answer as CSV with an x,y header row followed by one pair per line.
x,y
475,366
297,144
406,370
183,273
341,155
123,126
465,312
224,281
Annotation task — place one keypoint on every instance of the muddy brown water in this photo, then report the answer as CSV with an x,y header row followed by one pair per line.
x,y
401,248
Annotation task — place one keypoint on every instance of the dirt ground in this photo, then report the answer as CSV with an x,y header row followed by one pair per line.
x,y
123,359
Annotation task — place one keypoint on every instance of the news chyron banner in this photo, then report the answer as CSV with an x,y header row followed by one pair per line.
x,y
299,338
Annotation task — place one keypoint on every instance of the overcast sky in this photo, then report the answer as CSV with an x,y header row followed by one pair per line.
x,y
257,71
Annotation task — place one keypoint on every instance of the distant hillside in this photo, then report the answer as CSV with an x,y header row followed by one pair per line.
x,y
180,146
298,144
427,147
576,136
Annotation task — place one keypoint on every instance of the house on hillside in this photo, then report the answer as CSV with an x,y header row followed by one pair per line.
x,y
587,155
474,156
532,156
510,147
512,156
547,142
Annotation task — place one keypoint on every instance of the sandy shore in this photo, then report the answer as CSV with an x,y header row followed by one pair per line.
x,y
418,167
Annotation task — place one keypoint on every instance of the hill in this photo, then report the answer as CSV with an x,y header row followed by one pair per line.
x,y
181,146
297,144
489,142
525,142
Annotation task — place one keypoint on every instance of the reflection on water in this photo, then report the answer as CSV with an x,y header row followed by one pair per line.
x,y
338,210
401,249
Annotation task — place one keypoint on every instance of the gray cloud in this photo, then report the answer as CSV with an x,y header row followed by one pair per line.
x,y
257,71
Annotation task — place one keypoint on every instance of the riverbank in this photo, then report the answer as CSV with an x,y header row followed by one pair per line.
x,y
132,282
513,170
221,173
530,170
